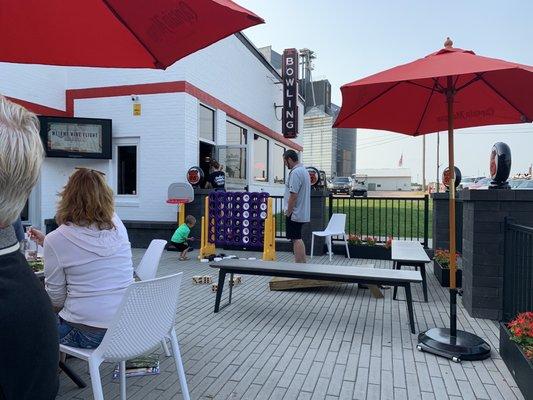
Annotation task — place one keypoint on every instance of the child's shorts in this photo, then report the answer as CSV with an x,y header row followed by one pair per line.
x,y
179,246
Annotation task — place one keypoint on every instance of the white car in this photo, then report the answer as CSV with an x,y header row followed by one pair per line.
x,y
466,183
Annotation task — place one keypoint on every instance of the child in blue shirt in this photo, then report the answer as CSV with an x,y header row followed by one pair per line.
x,y
181,237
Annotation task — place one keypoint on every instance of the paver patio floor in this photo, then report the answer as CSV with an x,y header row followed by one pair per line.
x,y
325,343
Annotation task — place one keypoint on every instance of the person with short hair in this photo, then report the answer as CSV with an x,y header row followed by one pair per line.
x,y
180,238
87,259
29,348
217,178
297,203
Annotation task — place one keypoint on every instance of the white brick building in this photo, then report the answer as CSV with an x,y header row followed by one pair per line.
x,y
226,88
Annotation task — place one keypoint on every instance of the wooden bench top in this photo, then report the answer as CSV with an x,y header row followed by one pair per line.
x,y
317,271
408,251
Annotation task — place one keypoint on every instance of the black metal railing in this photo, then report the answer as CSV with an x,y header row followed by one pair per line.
x,y
277,210
518,270
385,217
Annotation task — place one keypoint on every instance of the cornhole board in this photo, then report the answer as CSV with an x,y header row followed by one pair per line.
x,y
279,284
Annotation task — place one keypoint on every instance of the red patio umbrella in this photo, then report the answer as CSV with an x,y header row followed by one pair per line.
x,y
115,33
451,88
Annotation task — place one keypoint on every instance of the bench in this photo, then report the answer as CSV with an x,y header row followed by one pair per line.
x,y
364,275
410,253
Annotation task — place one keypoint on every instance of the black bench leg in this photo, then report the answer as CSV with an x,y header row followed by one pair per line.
x,y
409,298
230,286
221,278
424,281
397,265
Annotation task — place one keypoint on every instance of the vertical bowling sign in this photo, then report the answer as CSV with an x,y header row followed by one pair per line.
x,y
290,93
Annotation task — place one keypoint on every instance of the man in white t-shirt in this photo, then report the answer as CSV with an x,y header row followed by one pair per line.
x,y
297,203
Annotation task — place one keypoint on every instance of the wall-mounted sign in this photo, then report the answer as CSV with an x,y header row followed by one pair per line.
x,y
195,175
136,109
76,137
290,93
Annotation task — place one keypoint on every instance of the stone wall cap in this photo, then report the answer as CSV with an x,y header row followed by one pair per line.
x,y
497,195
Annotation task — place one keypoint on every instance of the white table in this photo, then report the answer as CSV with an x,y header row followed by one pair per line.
x,y
410,253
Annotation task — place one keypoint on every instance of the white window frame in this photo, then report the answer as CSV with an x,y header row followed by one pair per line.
x,y
126,199
201,139
269,155
230,183
273,144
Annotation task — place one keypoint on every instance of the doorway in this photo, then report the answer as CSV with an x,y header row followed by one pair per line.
x,y
207,152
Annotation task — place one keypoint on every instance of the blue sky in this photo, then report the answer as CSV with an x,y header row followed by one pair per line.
x,y
353,39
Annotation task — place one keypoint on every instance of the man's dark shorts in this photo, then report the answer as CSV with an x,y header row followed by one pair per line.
x,y
293,229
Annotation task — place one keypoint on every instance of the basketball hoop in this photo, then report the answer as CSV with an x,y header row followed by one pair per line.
x,y
177,201
180,193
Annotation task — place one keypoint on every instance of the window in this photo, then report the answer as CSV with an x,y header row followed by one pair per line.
x,y
235,134
207,123
233,156
260,159
126,170
233,160
278,164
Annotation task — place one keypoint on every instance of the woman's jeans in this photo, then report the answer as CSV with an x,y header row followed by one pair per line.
x,y
75,337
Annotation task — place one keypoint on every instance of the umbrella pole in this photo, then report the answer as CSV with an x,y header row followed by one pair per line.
x,y
451,343
453,246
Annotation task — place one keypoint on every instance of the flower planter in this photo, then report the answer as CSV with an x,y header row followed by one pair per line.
x,y
443,275
376,252
521,368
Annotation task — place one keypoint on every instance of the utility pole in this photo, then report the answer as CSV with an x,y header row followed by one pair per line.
x,y
424,163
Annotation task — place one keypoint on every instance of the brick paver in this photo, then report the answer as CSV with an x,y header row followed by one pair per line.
x,y
325,343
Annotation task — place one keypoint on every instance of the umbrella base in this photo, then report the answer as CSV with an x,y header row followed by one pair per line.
x,y
464,346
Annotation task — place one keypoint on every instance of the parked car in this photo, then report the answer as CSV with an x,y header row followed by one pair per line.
x,y
341,185
525,185
359,188
483,183
467,182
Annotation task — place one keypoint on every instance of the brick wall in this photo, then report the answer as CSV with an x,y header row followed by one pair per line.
x,y
441,222
484,212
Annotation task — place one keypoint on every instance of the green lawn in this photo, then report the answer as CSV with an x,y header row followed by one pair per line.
x,y
379,217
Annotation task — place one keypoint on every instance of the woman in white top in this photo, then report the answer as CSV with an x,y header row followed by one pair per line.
x,y
88,263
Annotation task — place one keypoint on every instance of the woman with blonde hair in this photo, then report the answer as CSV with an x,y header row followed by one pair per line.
x,y
29,351
88,263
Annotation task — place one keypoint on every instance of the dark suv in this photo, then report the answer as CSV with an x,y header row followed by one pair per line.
x,y
341,185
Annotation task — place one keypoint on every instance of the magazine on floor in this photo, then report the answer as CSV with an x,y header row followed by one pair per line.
x,y
140,366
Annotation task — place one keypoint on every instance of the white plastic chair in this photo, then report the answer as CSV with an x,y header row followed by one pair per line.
x,y
146,315
336,226
147,269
